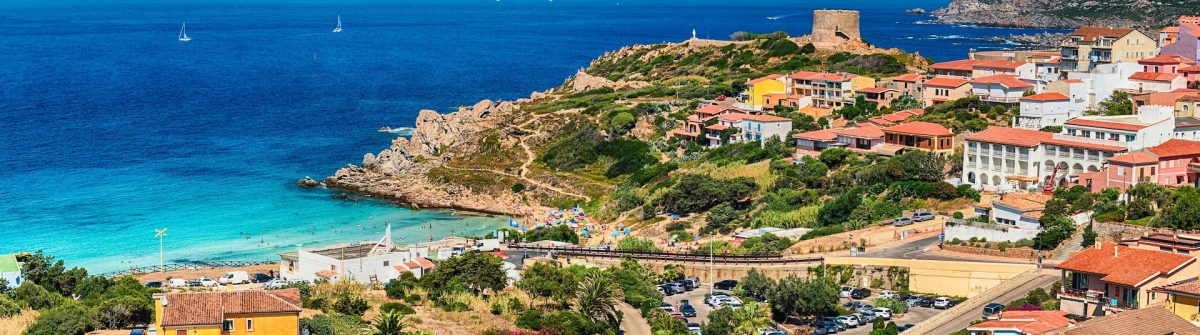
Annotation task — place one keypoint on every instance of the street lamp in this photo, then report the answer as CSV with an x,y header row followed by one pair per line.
x,y
160,234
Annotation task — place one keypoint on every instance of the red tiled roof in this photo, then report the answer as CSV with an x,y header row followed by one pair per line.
x,y
822,76
1135,158
1171,29
1024,201
874,89
1193,68
1151,76
765,118
945,82
1007,80
1124,265
1011,136
1092,33
1073,81
1165,98
714,109
1048,96
897,116
998,64
1190,287
817,135
1028,322
915,111
326,273
861,132
717,127
881,121
1106,124
764,78
920,128
1165,59
907,77
1155,320
956,65
1176,147
210,308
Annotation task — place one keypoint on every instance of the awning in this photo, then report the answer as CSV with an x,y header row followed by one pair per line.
x,y
1022,178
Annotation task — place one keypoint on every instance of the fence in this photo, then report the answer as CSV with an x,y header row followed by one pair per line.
x,y
662,256
198,265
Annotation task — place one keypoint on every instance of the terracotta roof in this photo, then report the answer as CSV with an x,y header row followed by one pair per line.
x,y
1125,265
1007,80
915,111
1011,136
1023,201
1092,33
920,128
714,109
764,78
717,127
818,135
1193,68
1151,76
945,82
1073,81
874,89
1165,59
879,120
1155,320
1171,29
1028,322
1106,124
861,132
1176,147
897,116
1164,98
210,308
1048,96
1084,145
955,65
423,262
326,273
765,118
907,77
1135,158
998,64
804,75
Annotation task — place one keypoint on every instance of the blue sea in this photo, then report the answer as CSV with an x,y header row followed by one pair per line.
x,y
110,127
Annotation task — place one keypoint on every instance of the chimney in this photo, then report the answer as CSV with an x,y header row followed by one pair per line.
x,y
1116,251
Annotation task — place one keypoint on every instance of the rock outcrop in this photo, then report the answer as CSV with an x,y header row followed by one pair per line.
x,y
1064,14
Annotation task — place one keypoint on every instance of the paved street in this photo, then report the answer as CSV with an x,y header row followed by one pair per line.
x,y
963,321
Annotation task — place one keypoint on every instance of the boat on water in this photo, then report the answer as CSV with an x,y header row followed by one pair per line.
x,y
397,130
338,29
183,36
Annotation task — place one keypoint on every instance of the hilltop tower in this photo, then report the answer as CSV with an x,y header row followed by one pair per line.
x,y
832,28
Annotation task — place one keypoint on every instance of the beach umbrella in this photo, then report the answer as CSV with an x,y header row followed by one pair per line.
x,y
512,223
627,231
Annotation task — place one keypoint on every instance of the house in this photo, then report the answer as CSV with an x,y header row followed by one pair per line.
x,y
1000,88
693,127
1021,323
863,138
1155,320
1000,158
365,263
1109,278
1187,40
1167,36
1047,70
1175,162
1150,126
757,89
747,127
963,68
1011,217
418,267
895,118
985,68
10,270
1165,63
1087,47
881,96
918,135
943,88
1104,79
770,101
1174,243
269,312
1046,109
1157,82
907,84
828,90
1183,299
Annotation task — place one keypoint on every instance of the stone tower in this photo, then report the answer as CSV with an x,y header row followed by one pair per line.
x,y
832,28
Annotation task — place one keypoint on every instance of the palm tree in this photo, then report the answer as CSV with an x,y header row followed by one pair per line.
x,y
388,323
598,296
750,318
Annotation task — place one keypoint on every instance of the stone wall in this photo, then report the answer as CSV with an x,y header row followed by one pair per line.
x,y
832,28
1021,253
1114,231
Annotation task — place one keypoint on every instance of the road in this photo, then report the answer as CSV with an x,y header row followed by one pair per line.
x,y
963,321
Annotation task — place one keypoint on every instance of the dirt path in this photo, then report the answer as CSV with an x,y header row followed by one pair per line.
x,y
632,321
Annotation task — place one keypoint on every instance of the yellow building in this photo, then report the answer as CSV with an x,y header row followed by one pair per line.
x,y
758,89
1183,299
1087,47
274,312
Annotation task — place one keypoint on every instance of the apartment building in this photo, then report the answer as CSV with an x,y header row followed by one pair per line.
x,y
828,90
1087,47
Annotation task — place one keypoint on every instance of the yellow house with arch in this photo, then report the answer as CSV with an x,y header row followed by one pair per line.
x,y
273,312
757,89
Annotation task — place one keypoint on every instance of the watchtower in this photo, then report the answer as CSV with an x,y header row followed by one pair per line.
x,y
832,28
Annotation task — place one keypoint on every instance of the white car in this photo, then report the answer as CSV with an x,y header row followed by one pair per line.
x,y
845,292
888,294
275,284
850,320
207,282
883,312
177,282
732,302
942,303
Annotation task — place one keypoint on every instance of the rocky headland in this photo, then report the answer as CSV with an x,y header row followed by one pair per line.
x,y
1066,14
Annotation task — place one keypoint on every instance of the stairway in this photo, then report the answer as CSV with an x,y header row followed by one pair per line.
x,y
1069,247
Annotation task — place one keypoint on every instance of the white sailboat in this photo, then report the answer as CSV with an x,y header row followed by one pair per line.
x,y
183,37
338,29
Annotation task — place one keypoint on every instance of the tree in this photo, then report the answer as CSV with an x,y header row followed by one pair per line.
x,y
597,298
1119,103
880,328
1183,210
561,233
695,193
839,209
1089,237
798,298
622,123
833,157
720,322
36,297
1055,229
630,243
388,323
756,284
398,288
51,274
806,49
750,318
125,311
721,215
70,318
548,281
333,324
473,271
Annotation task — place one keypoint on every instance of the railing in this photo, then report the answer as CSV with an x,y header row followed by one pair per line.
x,y
664,256
199,265
999,98
977,224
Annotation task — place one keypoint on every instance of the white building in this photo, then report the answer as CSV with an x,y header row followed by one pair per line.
x,y
749,128
1157,82
1011,217
1047,109
1000,88
10,270
1004,159
1102,81
1150,126
364,263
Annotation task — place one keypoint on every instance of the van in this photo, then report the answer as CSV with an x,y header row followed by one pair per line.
x,y
234,277
992,311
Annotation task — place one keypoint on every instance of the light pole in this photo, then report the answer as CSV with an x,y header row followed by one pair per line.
x,y
160,234
711,284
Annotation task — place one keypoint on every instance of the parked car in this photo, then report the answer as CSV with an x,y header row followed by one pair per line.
x,y
942,303
850,320
926,302
660,290
137,331
732,302
234,277
667,290
888,294
177,282
259,277
902,221
695,282
678,315
860,293
922,215
694,328
679,288
912,300
275,284
841,325
883,312
906,326
686,308
868,316
992,311
845,292
864,308
770,331
727,284
154,284
825,327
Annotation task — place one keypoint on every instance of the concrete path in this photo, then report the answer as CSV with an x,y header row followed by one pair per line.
x,y
953,325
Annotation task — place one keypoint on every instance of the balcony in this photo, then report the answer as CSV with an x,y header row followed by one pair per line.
x,y
998,98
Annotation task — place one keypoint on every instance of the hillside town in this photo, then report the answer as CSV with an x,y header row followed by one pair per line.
x,y
1012,192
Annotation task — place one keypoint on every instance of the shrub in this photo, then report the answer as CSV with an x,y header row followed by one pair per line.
x,y
630,243
397,288
518,188
895,305
333,324
396,307
561,233
36,297
8,307
351,305
69,318
530,319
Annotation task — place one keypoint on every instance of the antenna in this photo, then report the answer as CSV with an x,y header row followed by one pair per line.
x,y
160,234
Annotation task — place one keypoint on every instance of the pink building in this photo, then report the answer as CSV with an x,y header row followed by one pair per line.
x,y
1187,40
1175,162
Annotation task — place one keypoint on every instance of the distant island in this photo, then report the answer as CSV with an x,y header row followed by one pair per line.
x,y
1065,14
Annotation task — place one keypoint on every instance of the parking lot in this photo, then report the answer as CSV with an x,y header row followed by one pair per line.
x,y
914,316
696,298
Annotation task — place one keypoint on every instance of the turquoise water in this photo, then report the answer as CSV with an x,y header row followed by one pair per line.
x,y
113,128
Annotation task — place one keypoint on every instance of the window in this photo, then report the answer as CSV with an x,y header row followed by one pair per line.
x,y
227,325
1130,138
249,325
1120,170
181,332
385,263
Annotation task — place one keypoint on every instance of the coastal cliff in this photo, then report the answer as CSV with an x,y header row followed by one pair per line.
x,y
1065,13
